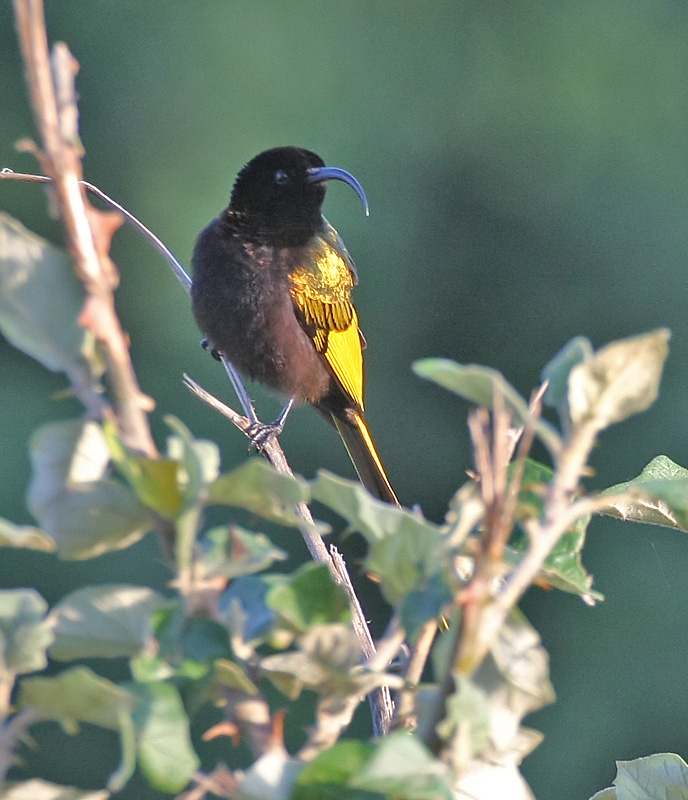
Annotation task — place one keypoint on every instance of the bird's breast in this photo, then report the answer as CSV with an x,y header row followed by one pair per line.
x,y
242,303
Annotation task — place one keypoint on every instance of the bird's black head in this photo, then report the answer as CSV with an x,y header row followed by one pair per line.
x,y
277,196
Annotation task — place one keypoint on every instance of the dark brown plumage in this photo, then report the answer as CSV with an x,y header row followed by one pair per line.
x,y
272,291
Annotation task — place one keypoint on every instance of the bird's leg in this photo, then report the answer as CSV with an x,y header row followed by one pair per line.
x,y
260,432
237,383
205,344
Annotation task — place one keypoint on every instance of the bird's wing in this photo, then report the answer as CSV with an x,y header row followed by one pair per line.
x,y
321,290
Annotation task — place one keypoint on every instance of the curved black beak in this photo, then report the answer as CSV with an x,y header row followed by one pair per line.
x,y
319,174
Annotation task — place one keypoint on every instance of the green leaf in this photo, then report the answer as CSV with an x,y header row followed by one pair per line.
x,y
229,673
326,656
309,597
404,768
472,382
563,567
556,374
658,496
26,536
663,775
523,663
487,781
605,794
515,679
153,480
510,682
479,385
77,695
127,765
198,459
467,711
326,777
259,488
164,746
106,621
619,380
204,640
244,609
405,549
186,648
146,667
198,465
423,603
328,661
231,551
25,633
365,514
40,299
86,513
37,789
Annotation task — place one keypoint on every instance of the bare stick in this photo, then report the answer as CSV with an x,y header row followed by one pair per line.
x,y
88,232
381,703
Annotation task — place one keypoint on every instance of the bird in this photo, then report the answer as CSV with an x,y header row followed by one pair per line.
x,y
271,291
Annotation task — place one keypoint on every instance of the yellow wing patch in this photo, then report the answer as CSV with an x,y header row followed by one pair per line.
x,y
345,357
321,290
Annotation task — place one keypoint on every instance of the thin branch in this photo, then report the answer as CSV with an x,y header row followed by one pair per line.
x,y
11,733
524,446
88,231
414,673
382,707
381,704
275,454
560,513
181,274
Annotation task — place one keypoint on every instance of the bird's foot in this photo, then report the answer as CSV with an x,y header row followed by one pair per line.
x,y
205,344
260,433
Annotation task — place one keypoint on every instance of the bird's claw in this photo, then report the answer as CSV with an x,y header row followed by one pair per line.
x,y
261,432
205,344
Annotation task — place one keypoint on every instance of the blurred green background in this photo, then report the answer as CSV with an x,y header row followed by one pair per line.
x,y
527,174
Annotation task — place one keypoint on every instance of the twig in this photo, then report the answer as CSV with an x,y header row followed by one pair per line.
x,y
382,707
275,454
181,274
88,232
381,703
414,672
10,733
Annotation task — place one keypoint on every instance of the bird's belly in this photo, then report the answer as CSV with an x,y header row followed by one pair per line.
x,y
257,330
293,366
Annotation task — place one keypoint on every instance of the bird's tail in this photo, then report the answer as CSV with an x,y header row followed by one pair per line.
x,y
352,427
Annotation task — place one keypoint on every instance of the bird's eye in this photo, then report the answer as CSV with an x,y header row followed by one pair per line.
x,y
281,177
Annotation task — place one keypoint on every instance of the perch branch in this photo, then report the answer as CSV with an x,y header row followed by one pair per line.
x,y
381,700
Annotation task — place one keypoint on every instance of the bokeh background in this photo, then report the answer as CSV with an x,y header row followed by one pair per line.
x,y
527,169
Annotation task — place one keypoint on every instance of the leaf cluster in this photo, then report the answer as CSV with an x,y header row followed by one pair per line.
x,y
232,627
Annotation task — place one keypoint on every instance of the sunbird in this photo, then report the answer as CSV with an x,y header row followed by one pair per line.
x,y
271,291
